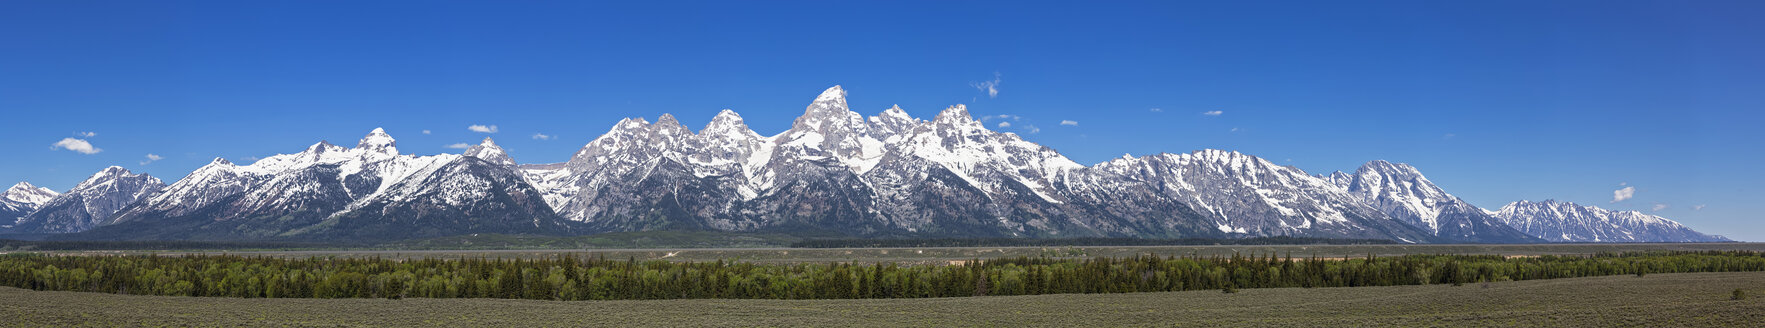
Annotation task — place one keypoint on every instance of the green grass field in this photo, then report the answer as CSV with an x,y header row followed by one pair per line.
x,y
1661,300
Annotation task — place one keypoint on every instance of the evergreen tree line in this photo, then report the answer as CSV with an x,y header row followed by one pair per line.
x,y
594,278
1085,241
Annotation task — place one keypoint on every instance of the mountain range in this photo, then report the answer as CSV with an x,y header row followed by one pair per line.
x,y
833,172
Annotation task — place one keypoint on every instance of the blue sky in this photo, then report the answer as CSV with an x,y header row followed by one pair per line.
x,y
1496,101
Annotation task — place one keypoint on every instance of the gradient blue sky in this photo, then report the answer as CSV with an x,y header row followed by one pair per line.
x,y
1496,101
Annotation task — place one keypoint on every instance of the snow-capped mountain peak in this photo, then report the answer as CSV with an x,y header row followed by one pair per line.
x,y
1400,191
378,142
956,115
1569,222
895,112
670,126
1401,188
108,174
26,193
836,94
728,125
90,203
488,150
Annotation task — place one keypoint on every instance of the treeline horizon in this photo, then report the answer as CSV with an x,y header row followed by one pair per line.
x,y
1081,241
568,277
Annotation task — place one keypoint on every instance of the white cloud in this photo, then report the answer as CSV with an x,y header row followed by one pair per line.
x,y
1156,110
1004,124
1623,183
541,136
1658,207
76,145
1069,122
1698,207
482,129
459,146
151,158
86,134
1623,194
425,131
1032,129
1234,129
991,87
1001,117
1213,113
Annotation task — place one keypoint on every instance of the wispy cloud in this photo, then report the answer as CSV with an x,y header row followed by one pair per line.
x,y
991,87
541,136
1004,124
425,131
1002,117
1234,129
1069,122
151,158
482,128
1698,207
1213,113
459,146
87,134
1658,207
1032,129
76,145
1623,194
1448,136
1156,110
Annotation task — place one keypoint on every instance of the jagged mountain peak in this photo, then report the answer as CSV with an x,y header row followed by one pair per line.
x,y
108,174
896,112
21,185
114,170
1380,176
1561,221
25,192
630,123
1380,166
1226,158
957,114
379,142
488,150
834,94
726,117
829,115
323,147
667,119
728,123
1402,192
669,125
90,203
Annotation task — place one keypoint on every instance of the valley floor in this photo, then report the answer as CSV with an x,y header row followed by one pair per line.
x,y
1660,300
